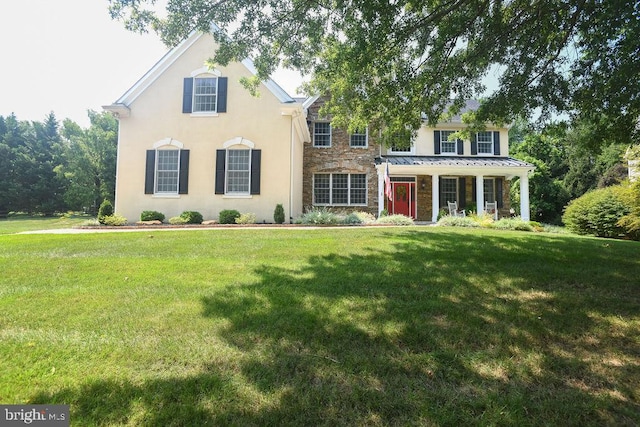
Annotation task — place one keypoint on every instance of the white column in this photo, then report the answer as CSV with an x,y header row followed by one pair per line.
x,y
380,189
524,197
480,193
435,197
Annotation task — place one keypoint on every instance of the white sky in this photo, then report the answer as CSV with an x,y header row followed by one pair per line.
x,y
68,56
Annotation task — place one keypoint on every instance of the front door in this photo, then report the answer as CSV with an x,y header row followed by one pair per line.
x,y
404,199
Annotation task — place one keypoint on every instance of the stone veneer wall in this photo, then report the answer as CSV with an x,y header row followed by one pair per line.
x,y
339,158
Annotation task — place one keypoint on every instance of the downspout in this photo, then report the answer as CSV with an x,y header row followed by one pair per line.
x,y
291,157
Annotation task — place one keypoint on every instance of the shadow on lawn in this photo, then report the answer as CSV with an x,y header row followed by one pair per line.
x,y
426,333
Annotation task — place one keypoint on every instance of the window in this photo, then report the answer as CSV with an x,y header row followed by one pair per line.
x,y
238,168
238,178
485,142
339,189
167,171
322,134
205,94
448,190
358,138
489,190
447,146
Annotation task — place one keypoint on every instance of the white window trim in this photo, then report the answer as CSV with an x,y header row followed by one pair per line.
x,y
366,189
457,181
411,151
156,146
455,144
366,139
330,134
238,140
171,194
493,185
478,145
204,72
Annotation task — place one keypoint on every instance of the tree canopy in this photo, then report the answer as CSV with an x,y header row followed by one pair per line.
x,y
391,62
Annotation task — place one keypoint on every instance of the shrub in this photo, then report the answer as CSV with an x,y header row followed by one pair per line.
x,y
395,220
352,219
191,217
106,209
246,218
631,222
114,219
278,214
319,216
598,212
151,216
228,216
515,224
384,212
177,220
365,217
458,221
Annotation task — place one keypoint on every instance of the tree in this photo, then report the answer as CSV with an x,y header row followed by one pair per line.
x,y
91,161
387,63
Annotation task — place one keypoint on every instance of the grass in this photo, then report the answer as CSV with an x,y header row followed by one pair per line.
x,y
17,223
355,326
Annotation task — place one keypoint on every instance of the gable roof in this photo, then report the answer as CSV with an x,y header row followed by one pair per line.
x,y
121,104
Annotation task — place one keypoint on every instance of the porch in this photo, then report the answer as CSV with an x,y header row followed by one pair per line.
x,y
422,185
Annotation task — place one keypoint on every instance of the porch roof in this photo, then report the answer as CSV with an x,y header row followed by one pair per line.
x,y
456,164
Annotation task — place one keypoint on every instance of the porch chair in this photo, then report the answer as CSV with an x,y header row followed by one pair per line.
x,y
491,209
453,209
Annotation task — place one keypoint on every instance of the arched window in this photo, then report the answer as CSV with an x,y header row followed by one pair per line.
x,y
167,168
238,168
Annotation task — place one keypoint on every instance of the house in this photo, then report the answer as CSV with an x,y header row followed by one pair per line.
x,y
193,138
347,170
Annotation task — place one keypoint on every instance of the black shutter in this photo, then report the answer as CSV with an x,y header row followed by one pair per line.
x,y
460,147
187,95
462,192
255,171
150,172
474,199
221,158
183,187
436,141
499,192
474,144
222,95
496,143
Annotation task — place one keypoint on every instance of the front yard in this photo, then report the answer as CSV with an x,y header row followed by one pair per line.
x,y
349,326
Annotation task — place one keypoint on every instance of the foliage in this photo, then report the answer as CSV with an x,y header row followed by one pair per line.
x,y
114,220
105,210
177,220
458,221
152,216
228,216
278,214
246,218
516,224
192,217
390,62
319,216
365,217
598,212
384,212
90,166
352,219
395,219
631,222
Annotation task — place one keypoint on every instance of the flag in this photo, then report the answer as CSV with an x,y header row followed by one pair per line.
x,y
387,183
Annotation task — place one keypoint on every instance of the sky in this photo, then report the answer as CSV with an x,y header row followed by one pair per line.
x,y
69,56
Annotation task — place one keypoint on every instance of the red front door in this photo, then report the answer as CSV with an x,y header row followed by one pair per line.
x,y
404,199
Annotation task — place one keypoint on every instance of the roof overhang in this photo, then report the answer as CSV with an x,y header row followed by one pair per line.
x,y
451,165
118,110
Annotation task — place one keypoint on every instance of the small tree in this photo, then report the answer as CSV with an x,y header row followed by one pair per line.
x,y
106,209
278,214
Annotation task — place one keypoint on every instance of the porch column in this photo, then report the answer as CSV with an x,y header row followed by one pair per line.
x,y
524,197
435,197
380,190
480,194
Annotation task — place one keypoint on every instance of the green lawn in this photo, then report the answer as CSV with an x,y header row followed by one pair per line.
x,y
18,223
349,326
